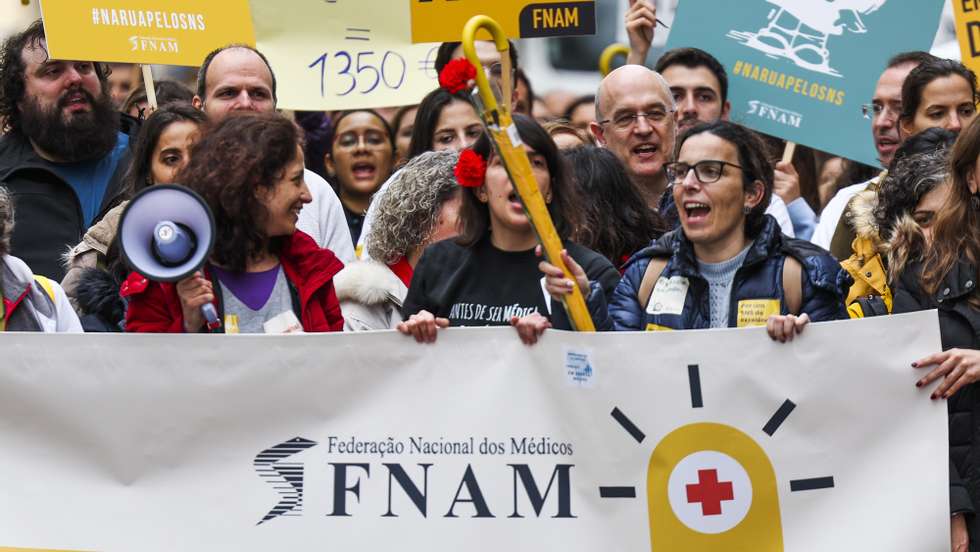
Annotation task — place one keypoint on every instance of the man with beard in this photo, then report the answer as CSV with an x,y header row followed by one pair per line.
x,y
65,151
238,77
885,107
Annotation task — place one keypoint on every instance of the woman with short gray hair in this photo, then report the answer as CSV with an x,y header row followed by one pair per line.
x,y
28,303
419,207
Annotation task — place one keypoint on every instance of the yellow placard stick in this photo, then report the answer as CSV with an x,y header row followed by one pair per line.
x,y
151,90
508,146
609,54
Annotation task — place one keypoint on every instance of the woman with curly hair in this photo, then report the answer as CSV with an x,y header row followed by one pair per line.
x,y
916,173
263,275
942,273
489,275
420,208
444,121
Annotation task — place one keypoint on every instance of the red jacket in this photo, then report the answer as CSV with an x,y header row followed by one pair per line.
x,y
154,307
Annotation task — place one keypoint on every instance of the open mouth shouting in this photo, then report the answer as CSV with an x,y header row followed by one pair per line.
x,y
515,202
364,170
646,152
695,212
75,101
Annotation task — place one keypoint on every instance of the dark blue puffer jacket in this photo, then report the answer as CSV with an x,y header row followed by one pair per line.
x,y
757,290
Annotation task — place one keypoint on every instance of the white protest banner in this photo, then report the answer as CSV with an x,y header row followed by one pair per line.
x,y
707,440
344,54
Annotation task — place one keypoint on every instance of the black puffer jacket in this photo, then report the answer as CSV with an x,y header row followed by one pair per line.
x,y
48,216
959,325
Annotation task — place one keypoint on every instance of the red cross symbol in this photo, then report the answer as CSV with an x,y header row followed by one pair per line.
x,y
709,492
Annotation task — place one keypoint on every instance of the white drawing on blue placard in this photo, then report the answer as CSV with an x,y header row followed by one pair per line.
x,y
799,30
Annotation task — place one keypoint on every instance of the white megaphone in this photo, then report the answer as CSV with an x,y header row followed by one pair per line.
x,y
166,234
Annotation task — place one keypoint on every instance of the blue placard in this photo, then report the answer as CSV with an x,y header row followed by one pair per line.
x,y
801,69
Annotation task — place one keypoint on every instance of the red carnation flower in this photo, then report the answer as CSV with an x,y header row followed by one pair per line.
x,y
470,169
456,74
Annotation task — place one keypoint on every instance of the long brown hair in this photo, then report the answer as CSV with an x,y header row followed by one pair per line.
x,y
956,231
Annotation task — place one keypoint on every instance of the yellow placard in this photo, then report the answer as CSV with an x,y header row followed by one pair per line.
x,y
968,31
171,32
756,312
344,54
442,20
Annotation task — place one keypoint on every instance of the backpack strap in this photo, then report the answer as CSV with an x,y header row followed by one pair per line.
x,y
650,277
792,284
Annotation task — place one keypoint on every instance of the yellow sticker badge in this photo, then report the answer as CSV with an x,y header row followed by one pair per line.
x,y
755,312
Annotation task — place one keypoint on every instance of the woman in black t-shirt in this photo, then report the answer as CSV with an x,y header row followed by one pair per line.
x,y
488,275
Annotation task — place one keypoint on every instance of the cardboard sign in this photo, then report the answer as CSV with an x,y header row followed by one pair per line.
x,y
443,20
707,441
169,32
801,70
967,13
343,54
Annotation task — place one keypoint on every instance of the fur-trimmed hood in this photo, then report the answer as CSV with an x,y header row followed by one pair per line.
x,y
906,245
369,282
862,216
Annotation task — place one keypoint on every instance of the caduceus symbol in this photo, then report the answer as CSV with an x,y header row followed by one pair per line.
x,y
285,477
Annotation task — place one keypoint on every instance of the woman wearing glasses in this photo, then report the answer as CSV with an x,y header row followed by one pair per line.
x,y
728,265
359,160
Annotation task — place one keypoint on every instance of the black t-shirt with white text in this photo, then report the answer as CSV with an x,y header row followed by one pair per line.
x,y
485,286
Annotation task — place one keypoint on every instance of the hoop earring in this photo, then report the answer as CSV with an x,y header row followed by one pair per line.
x,y
975,201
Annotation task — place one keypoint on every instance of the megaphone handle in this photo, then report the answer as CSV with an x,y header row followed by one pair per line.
x,y
210,316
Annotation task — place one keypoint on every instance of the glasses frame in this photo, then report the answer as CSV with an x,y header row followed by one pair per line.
x,y
671,173
668,112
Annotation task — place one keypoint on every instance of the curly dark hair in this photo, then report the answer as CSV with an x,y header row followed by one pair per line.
x,y
244,153
618,222
12,69
564,208
920,164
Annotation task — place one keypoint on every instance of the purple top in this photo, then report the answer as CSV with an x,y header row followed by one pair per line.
x,y
251,288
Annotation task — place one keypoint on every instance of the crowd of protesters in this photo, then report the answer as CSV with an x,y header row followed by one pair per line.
x,y
672,217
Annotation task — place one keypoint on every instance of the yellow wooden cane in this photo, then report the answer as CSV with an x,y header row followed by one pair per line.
x,y
509,147
609,54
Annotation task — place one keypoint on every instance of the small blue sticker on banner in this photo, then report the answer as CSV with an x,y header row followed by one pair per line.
x,y
579,368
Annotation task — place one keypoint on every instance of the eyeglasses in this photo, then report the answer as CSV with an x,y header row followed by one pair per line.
x,y
706,171
655,116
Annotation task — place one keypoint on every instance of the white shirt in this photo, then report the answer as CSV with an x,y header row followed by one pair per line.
x,y
323,218
777,208
831,214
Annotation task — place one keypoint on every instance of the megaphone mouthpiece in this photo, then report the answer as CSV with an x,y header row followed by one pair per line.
x,y
173,243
